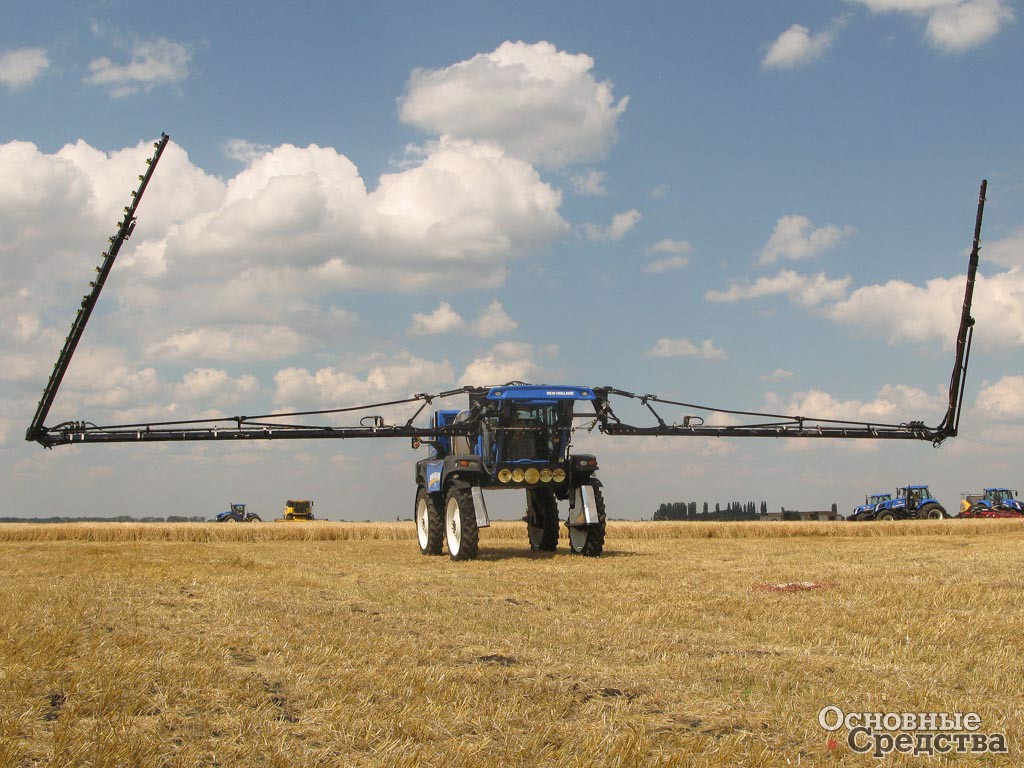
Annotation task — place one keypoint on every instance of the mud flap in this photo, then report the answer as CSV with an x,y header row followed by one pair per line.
x,y
482,520
583,510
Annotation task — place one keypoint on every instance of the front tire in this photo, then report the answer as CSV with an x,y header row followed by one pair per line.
x,y
542,519
429,523
461,533
886,516
588,540
932,512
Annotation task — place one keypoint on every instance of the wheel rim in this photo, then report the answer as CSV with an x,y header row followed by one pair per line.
x,y
422,532
536,535
453,527
577,538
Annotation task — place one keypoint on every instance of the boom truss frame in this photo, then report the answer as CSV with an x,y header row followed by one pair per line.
x,y
276,426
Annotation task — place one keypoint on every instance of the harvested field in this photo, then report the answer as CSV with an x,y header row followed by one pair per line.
x,y
338,644
321,530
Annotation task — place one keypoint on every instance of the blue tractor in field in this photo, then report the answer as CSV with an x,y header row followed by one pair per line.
x,y
518,438
911,502
995,502
866,511
237,514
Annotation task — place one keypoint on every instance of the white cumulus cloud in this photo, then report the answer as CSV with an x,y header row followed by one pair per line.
x,y
214,387
24,328
658,266
590,183
620,224
1003,399
902,311
508,361
102,376
21,67
399,376
494,321
152,62
779,374
795,238
952,26
677,259
961,26
292,226
894,403
441,320
541,104
239,345
244,151
797,46
1008,251
706,350
668,245
806,290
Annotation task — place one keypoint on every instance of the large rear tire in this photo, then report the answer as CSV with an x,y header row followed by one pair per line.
x,y
542,519
461,533
589,540
255,519
932,512
429,523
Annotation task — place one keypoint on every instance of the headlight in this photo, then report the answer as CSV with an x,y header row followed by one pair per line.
x,y
545,475
558,475
532,476
505,475
517,475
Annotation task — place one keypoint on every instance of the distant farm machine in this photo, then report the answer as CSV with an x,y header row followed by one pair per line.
x,y
294,511
994,502
237,514
297,511
866,511
513,436
912,502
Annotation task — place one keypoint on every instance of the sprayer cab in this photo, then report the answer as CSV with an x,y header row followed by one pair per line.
x,y
519,438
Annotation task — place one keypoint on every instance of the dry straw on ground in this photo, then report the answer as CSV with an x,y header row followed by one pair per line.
x,y
502,531
338,644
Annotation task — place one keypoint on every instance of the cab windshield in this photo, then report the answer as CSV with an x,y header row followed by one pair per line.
x,y
531,433
998,494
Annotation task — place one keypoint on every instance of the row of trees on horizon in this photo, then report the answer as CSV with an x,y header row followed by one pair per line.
x,y
687,510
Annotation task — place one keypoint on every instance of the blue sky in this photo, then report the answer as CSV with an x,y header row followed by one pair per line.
x,y
750,205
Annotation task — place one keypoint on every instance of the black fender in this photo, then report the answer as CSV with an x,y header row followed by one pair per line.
x,y
468,468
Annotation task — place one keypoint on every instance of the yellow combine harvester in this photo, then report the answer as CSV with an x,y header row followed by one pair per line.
x,y
297,512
